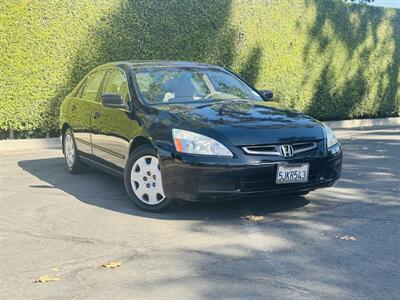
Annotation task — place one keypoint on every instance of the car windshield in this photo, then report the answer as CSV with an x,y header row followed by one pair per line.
x,y
179,84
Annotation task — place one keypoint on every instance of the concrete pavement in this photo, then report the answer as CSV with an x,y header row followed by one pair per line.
x,y
59,224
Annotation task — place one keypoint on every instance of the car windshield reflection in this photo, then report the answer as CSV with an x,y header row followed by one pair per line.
x,y
179,85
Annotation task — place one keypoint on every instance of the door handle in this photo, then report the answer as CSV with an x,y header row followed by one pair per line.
x,y
96,115
73,107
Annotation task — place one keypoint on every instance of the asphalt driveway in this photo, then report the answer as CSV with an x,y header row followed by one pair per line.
x,y
68,226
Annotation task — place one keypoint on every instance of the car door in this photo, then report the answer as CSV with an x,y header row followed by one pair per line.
x,y
81,109
113,128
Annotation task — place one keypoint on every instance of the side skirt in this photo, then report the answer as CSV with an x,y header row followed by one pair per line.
x,y
102,167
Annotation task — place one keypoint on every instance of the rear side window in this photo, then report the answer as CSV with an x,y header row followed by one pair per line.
x,y
80,89
116,83
92,86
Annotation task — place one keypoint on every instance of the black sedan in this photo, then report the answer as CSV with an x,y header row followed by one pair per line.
x,y
199,132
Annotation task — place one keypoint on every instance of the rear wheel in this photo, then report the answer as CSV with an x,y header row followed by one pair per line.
x,y
73,163
143,181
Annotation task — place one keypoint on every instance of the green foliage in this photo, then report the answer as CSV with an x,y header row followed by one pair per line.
x,y
330,59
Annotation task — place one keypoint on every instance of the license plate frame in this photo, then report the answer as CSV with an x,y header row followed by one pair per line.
x,y
299,167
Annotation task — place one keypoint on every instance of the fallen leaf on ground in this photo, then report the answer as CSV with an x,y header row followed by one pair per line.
x,y
253,218
347,238
47,278
112,264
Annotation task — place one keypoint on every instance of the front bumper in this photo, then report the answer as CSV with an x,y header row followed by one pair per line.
x,y
196,178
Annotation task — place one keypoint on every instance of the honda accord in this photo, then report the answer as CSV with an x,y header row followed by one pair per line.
x,y
191,131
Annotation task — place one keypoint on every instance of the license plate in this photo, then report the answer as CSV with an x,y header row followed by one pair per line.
x,y
292,173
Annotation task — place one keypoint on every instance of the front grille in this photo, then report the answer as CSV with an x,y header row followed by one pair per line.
x,y
257,183
274,149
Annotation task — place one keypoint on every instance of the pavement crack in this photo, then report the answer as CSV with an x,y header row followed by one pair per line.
x,y
67,238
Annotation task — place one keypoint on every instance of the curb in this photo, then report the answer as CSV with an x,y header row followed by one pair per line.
x,y
29,144
361,123
55,143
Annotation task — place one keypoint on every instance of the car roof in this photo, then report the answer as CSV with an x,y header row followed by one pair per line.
x,y
157,63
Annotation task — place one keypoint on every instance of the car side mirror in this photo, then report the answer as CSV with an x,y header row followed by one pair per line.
x,y
268,95
114,101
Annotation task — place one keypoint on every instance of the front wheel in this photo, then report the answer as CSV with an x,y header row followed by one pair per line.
x,y
143,181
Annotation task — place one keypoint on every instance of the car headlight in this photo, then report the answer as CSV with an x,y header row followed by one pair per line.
x,y
194,143
331,139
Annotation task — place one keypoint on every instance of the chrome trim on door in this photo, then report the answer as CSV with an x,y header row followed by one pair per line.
x,y
121,156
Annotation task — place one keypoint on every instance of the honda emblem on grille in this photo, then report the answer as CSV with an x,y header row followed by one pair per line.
x,y
286,150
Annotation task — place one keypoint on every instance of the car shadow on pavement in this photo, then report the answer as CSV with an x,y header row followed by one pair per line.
x,y
103,190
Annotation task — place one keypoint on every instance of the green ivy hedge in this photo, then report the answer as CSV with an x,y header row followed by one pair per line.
x,y
330,59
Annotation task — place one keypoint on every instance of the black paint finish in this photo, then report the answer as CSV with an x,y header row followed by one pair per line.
x,y
107,135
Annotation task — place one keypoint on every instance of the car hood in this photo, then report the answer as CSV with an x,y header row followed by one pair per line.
x,y
245,122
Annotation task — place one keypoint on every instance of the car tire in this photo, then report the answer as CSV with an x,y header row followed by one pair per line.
x,y
72,161
142,178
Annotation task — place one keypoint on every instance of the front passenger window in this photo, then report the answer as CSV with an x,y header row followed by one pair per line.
x,y
116,84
